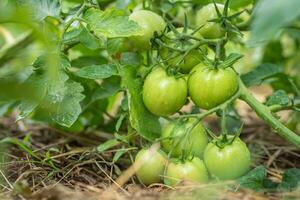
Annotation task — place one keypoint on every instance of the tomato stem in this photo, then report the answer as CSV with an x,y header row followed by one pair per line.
x,y
265,113
223,121
213,110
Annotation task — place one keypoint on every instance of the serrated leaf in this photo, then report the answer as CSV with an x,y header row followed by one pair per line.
x,y
26,107
67,110
108,87
43,62
111,23
57,94
279,97
41,9
254,179
39,84
290,179
260,74
145,123
97,71
89,40
107,145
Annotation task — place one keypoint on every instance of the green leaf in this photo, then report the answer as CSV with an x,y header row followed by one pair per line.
x,y
260,74
115,45
107,145
108,87
41,9
279,97
233,120
87,61
97,71
290,179
11,50
5,107
67,110
269,18
119,154
111,23
89,40
26,107
39,84
46,61
120,121
71,36
56,93
254,179
130,58
145,123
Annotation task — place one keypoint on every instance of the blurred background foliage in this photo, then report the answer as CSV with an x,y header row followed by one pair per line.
x,y
38,56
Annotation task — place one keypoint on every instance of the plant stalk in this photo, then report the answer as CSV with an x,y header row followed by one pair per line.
x,y
265,113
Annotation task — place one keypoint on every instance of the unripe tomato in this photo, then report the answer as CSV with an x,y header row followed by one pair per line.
x,y
210,30
164,94
150,23
177,139
229,162
173,57
209,86
191,171
153,165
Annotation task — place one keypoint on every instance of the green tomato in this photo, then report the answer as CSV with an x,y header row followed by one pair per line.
x,y
176,139
191,171
172,57
150,23
163,94
210,30
209,86
153,166
227,163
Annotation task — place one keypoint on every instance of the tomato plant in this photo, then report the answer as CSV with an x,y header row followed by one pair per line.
x,y
152,166
114,72
210,86
227,161
178,139
164,94
190,170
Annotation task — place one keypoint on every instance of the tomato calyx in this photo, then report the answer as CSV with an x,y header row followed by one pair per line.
x,y
226,139
226,20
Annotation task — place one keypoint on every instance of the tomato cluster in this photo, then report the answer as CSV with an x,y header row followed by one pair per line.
x,y
187,153
221,161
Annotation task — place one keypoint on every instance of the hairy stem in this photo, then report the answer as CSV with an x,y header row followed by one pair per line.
x,y
265,113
